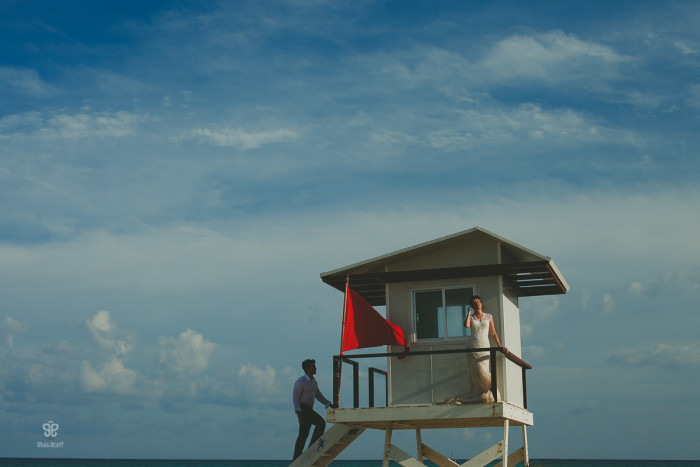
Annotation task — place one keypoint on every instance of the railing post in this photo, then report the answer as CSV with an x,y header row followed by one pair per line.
x,y
494,375
336,381
386,389
356,385
372,371
524,389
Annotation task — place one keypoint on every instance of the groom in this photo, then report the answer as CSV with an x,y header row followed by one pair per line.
x,y
305,392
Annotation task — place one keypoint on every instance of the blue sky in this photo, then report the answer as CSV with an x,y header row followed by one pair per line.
x,y
175,175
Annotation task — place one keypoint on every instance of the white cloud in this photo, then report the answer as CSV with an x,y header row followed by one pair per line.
x,y
113,378
585,295
551,57
694,95
106,333
661,355
635,288
680,279
684,47
541,308
237,137
535,311
608,304
475,435
80,126
547,58
10,327
489,125
26,81
533,352
187,353
258,379
101,324
72,126
20,122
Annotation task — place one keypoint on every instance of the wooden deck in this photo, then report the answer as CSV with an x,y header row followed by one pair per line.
x,y
433,416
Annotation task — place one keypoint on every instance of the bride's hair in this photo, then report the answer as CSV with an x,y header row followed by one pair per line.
x,y
471,300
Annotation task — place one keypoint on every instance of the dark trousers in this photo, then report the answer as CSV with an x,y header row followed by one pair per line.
x,y
309,418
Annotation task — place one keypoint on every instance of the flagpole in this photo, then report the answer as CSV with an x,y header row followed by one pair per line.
x,y
345,312
337,362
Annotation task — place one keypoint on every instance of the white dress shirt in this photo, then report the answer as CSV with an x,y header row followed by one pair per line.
x,y
305,391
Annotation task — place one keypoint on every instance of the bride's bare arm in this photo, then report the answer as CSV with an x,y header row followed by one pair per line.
x,y
468,321
492,331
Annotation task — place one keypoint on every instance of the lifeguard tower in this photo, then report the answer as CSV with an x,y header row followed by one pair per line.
x,y
426,290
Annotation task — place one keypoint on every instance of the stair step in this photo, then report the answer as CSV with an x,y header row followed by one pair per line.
x,y
333,442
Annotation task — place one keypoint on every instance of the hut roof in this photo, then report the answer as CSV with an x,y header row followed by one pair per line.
x,y
529,272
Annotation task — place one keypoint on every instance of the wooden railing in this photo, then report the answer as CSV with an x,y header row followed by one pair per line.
x,y
338,360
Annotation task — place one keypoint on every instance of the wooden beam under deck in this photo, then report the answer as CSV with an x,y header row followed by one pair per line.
x,y
433,416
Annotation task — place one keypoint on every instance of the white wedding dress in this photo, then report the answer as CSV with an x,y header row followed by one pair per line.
x,y
478,366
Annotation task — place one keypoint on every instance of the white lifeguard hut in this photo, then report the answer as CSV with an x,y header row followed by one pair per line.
x,y
426,290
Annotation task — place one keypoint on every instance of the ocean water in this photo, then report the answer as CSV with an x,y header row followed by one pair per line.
x,y
338,463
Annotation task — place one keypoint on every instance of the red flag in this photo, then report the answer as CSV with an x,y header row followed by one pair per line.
x,y
365,327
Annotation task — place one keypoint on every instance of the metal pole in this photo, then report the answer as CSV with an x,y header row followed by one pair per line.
x,y
345,310
336,381
386,389
356,385
494,376
337,364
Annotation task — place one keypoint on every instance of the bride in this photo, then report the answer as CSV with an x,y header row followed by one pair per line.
x,y
478,363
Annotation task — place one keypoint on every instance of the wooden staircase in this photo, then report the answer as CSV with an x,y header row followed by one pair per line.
x,y
328,446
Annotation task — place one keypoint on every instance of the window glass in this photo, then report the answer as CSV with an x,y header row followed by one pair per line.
x,y
441,313
456,306
429,316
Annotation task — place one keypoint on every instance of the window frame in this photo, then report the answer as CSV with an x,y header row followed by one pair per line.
x,y
442,289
